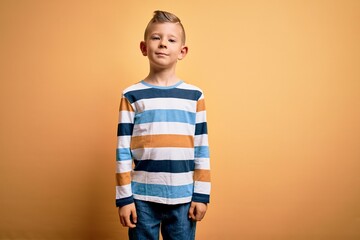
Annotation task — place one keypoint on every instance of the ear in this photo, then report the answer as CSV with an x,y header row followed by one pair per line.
x,y
143,48
184,50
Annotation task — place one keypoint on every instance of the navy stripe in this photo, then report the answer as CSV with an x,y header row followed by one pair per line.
x,y
201,128
137,95
124,201
199,197
125,129
169,166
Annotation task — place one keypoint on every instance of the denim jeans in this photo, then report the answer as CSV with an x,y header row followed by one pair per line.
x,y
171,219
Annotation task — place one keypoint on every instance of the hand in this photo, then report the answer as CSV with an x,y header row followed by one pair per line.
x,y
128,216
197,211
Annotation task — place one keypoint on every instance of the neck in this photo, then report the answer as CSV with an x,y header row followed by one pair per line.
x,y
162,77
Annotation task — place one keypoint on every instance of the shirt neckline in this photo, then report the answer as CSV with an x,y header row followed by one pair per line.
x,y
162,87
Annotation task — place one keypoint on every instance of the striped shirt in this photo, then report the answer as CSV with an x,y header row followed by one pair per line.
x,y
162,153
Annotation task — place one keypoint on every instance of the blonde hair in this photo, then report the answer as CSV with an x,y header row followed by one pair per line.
x,y
165,17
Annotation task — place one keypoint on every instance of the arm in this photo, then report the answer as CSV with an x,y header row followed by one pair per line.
x,y
124,197
201,195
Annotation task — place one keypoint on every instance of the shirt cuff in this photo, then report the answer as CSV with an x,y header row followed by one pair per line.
x,y
124,201
203,198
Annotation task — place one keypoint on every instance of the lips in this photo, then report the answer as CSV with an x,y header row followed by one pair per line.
x,y
161,54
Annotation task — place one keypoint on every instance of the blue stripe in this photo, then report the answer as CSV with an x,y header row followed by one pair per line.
x,y
123,154
202,152
163,115
164,191
169,166
137,95
162,87
201,128
199,197
125,129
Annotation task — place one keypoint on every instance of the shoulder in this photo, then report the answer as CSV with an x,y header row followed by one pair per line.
x,y
188,86
134,92
198,91
135,87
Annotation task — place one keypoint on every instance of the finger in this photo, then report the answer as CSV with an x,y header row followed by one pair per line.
x,y
199,215
128,223
134,215
121,219
191,212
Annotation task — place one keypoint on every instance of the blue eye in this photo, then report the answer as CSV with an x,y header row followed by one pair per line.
x,y
172,40
155,38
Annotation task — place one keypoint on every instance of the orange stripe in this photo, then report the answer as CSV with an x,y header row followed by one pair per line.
x,y
125,105
202,175
123,178
200,105
162,140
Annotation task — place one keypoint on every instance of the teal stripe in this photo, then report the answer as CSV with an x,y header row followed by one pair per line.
x,y
164,115
202,152
123,154
162,87
164,191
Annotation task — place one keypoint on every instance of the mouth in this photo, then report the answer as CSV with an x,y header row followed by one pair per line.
x,y
161,54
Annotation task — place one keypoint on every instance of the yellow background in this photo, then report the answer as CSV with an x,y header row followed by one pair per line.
x,y
282,85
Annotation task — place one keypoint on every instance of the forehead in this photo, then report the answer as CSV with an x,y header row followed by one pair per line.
x,y
165,28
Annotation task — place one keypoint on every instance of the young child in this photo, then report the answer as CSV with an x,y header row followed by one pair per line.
x,y
163,169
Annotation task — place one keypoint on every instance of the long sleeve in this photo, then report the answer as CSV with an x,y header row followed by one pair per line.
x,y
162,152
124,159
202,184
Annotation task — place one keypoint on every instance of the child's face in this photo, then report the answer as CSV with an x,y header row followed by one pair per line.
x,y
163,45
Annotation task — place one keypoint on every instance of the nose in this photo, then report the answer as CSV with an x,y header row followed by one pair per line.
x,y
162,44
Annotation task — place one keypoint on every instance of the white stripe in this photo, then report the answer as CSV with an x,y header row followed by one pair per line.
x,y
170,201
137,86
126,117
165,103
163,128
188,87
202,187
163,153
123,166
123,191
201,117
123,141
162,178
202,163
201,140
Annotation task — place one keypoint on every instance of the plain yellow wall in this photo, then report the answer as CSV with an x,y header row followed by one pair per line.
x,y
282,84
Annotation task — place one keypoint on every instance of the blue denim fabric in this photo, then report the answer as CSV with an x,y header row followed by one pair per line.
x,y
173,219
